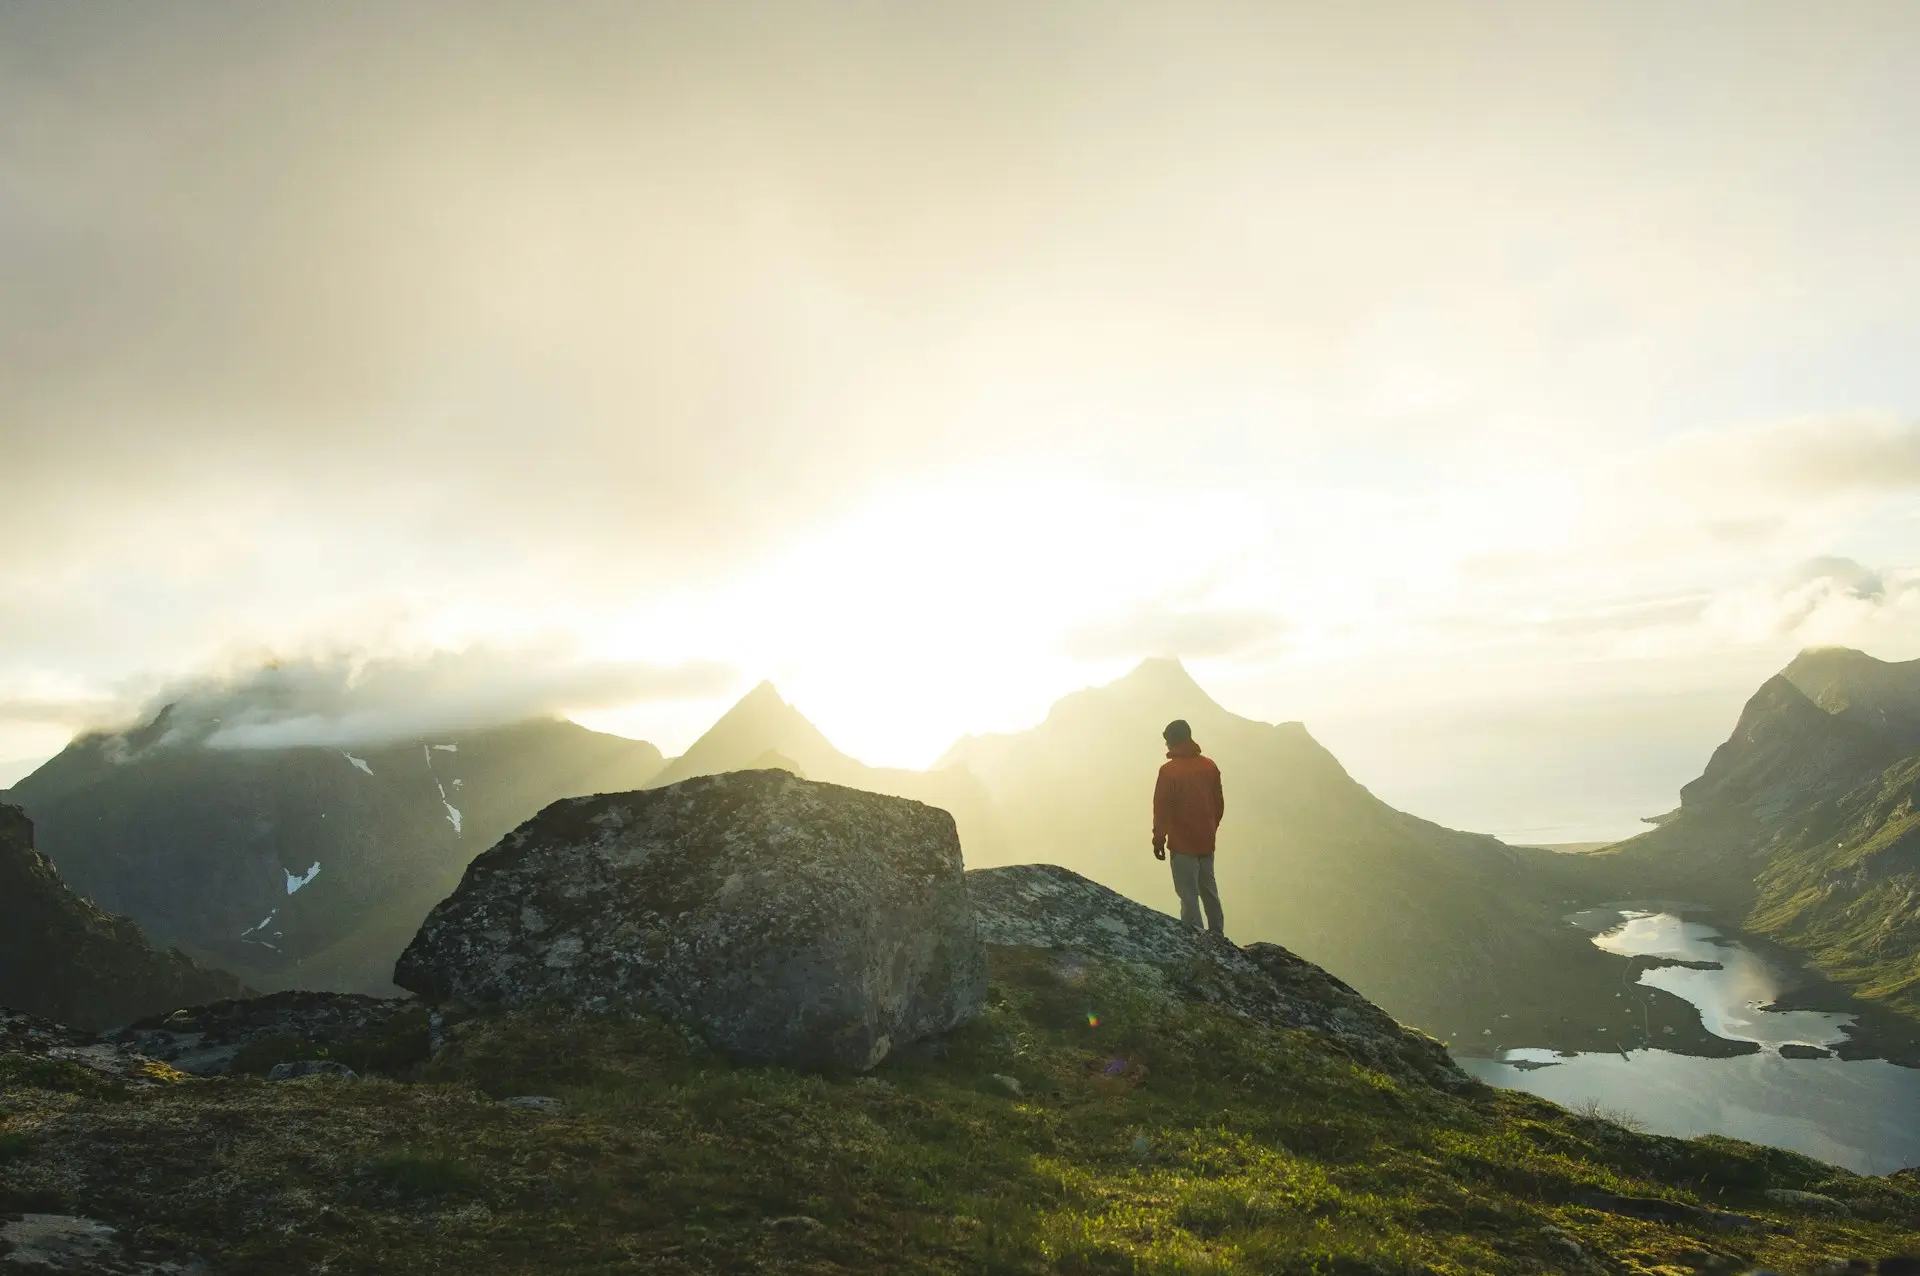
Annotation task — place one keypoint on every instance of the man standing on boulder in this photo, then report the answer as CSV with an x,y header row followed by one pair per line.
x,y
1187,806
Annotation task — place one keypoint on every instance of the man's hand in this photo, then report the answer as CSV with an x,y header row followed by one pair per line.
x,y
1159,848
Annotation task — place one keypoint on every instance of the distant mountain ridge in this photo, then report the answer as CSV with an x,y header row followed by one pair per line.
x,y
763,731
305,866
1804,823
1435,924
63,957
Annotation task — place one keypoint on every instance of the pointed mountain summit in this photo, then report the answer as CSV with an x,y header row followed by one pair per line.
x,y
1404,909
761,723
763,732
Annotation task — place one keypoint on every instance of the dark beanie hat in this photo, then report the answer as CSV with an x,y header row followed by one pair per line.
x,y
1177,731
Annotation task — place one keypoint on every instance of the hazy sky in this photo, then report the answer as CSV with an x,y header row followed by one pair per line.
x,y
1505,390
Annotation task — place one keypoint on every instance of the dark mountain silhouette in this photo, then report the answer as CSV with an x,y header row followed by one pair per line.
x,y
62,957
1804,823
763,731
302,867
1438,926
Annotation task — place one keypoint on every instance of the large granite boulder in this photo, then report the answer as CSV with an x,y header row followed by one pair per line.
x,y
789,921
1044,906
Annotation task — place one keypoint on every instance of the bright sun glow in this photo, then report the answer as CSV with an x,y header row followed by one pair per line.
x,y
929,614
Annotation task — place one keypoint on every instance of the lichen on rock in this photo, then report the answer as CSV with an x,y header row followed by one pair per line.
x,y
790,921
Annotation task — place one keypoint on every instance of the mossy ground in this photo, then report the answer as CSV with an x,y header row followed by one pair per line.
x,y
1142,1138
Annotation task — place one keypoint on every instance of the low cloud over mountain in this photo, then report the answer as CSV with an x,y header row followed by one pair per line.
x,y
344,699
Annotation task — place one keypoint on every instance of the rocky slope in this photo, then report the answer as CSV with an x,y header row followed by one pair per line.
x,y
1447,930
1804,824
302,867
63,958
1043,906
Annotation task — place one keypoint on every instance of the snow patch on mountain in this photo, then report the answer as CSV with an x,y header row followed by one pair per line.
x,y
453,815
257,933
295,883
359,762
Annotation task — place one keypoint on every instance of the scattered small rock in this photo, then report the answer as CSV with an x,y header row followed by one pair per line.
x,y
1808,1202
45,1039
1561,1242
300,1069
68,1243
1652,1209
535,1103
792,1223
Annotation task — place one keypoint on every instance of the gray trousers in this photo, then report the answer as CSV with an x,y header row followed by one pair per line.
x,y
1193,882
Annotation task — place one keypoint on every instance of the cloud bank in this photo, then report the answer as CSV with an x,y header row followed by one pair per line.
x,y
345,700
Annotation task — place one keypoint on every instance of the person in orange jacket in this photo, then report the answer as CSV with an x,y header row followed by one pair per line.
x,y
1188,804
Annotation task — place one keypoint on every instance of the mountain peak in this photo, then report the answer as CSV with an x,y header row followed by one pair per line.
x,y
759,723
1161,673
764,693
1881,694
763,704
1164,683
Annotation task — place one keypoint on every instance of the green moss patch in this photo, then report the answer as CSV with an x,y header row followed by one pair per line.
x,y
1082,1126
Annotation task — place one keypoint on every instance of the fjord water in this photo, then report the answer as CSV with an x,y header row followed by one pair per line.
x,y
1863,1114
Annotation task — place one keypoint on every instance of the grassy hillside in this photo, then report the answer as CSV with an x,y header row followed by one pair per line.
x,y
1846,888
1802,827
1077,1127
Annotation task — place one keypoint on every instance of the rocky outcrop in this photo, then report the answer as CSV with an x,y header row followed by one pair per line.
x,y
66,959
1044,906
205,1040
30,1038
790,921
49,1243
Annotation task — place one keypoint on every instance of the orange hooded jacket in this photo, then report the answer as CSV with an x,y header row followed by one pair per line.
x,y
1187,801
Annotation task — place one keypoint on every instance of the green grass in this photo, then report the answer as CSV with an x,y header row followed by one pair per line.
x,y
1841,886
1160,1141
416,1176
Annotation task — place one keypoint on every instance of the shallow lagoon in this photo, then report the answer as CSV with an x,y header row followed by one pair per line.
x,y
1863,1114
